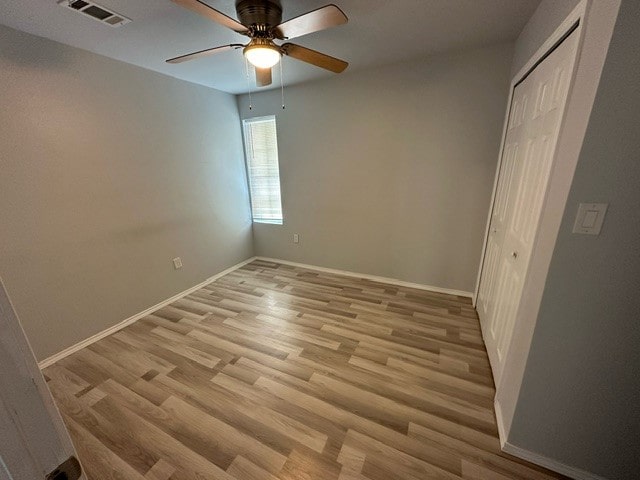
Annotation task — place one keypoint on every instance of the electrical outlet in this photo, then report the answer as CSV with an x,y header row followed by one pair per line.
x,y
177,263
296,238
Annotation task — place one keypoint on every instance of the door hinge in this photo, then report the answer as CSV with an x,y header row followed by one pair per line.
x,y
68,470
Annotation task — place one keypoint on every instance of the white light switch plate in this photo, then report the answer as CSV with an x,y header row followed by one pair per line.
x,y
177,263
590,217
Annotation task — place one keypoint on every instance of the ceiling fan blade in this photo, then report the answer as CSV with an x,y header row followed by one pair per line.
x,y
212,14
316,20
314,58
263,77
204,53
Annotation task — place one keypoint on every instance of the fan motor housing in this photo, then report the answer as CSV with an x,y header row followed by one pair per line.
x,y
259,12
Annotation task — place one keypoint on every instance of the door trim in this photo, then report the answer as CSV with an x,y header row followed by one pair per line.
x,y
597,21
508,387
500,311
574,21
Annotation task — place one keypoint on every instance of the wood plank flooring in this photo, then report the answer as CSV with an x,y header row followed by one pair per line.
x,y
280,373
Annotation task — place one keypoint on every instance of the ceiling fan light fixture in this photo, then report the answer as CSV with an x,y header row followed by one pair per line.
x,y
261,21
262,53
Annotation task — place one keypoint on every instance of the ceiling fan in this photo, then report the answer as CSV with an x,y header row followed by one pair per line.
x,y
261,21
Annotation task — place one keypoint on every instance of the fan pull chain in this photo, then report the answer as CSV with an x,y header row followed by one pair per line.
x,y
246,69
282,82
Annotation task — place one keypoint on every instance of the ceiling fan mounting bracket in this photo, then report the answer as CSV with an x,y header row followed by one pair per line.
x,y
261,15
261,31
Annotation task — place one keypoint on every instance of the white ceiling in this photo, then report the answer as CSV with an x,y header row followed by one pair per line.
x,y
379,32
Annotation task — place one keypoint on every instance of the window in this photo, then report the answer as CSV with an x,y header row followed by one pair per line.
x,y
261,148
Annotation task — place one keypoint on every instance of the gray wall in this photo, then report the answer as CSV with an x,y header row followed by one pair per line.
x,y
389,171
580,396
540,26
108,171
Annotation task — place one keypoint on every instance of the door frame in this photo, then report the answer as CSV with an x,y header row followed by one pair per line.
x,y
575,20
553,206
570,27
535,122
596,24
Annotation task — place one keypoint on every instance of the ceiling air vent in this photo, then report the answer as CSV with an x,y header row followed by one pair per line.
x,y
95,11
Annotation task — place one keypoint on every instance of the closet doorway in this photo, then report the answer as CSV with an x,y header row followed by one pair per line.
x,y
533,126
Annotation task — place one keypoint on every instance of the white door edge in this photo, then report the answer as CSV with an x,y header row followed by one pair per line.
x,y
34,437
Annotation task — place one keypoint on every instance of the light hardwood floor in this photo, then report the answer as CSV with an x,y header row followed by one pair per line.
x,y
275,372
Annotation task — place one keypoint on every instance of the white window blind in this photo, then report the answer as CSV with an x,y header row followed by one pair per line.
x,y
261,148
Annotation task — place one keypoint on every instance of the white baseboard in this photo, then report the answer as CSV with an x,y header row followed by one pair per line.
x,y
98,336
375,278
502,434
536,458
506,446
550,463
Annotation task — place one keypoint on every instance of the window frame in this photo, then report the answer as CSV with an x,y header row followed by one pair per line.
x,y
247,145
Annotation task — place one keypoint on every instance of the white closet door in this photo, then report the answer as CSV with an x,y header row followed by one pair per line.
x,y
532,133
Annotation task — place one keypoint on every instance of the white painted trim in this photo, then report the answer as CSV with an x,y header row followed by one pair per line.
x,y
550,463
375,278
98,336
572,27
34,439
536,458
597,26
500,423
597,21
576,15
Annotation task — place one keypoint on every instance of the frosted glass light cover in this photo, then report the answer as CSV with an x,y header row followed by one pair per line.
x,y
262,57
